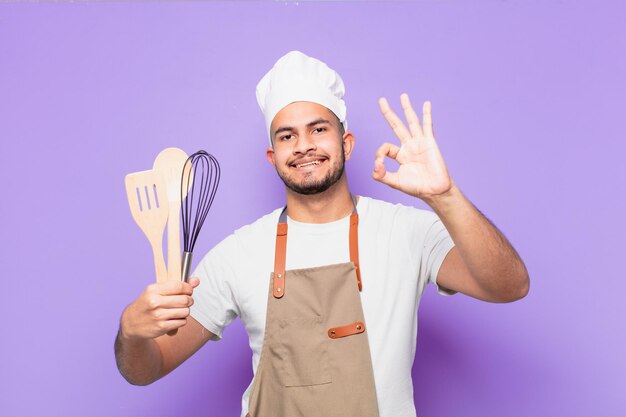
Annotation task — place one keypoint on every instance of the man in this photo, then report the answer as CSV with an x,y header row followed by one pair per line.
x,y
333,329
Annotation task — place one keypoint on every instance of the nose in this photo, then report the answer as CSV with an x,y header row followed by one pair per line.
x,y
304,144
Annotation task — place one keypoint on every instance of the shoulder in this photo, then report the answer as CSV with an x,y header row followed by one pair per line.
x,y
261,229
379,210
401,224
245,239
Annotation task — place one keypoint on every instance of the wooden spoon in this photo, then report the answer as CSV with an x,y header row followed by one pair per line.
x,y
170,162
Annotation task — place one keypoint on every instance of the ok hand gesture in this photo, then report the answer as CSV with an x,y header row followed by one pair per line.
x,y
422,172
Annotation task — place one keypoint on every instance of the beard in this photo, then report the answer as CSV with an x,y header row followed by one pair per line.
x,y
310,185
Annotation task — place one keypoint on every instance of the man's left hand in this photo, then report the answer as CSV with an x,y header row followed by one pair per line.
x,y
422,172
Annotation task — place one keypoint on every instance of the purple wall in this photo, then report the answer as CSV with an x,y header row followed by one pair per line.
x,y
528,102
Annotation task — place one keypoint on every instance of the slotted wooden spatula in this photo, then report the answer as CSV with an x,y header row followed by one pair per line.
x,y
147,197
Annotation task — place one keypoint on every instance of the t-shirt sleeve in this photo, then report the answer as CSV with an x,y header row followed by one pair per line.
x,y
436,245
214,304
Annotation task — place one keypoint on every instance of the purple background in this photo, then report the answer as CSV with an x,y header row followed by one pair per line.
x,y
528,103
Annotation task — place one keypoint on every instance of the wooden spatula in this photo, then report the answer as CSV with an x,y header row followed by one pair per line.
x,y
147,197
170,163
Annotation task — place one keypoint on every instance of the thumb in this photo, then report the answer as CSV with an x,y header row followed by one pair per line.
x,y
381,174
194,282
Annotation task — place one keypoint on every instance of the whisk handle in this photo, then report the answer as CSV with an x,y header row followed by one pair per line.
x,y
186,268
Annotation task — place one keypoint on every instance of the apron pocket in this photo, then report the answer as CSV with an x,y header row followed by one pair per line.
x,y
304,352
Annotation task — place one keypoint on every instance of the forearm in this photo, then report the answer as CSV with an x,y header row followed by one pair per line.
x,y
487,254
138,360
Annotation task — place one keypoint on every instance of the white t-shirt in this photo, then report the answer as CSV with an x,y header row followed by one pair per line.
x,y
400,250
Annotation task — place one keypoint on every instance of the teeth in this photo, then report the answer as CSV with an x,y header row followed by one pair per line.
x,y
308,163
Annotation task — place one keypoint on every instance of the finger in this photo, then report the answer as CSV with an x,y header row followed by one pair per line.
x,y
178,313
379,170
387,149
382,175
428,119
174,301
411,116
166,314
174,288
169,325
394,121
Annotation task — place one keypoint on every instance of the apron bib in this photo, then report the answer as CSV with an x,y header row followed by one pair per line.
x,y
315,360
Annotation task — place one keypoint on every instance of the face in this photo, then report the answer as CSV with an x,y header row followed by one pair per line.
x,y
309,150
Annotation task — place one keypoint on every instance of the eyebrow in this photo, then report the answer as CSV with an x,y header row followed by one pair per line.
x,y
309,125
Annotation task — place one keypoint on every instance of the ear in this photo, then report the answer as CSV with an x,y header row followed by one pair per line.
x,y
269,154
348,144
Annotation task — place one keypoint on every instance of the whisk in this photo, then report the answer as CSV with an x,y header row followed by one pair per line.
x,y
201,177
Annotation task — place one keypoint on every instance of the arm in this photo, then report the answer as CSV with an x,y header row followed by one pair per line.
x,y
143,351
483,263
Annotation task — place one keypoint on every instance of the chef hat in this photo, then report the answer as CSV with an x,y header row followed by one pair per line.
x,y
298,77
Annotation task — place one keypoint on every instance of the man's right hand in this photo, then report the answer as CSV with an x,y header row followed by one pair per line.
x,y
142,351
160,308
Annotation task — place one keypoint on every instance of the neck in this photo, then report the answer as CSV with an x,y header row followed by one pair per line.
x,y
330,205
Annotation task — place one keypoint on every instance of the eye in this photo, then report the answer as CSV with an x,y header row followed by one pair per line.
x,y
319,129
286,137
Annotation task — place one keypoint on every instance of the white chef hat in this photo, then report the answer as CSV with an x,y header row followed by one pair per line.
x,y
298,77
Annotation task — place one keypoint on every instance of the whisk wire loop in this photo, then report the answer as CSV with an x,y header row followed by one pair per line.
x,y
200,178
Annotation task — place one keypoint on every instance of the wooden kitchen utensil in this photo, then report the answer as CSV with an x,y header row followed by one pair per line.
x,y
147,197
170,163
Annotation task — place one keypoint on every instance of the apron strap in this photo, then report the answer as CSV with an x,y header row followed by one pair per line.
x,y
280,254
354,246
279,258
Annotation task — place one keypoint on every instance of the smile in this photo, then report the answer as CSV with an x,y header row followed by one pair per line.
x,y
308,163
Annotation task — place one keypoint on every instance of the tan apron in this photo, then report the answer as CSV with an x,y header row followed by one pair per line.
x,y
315,360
